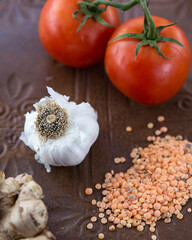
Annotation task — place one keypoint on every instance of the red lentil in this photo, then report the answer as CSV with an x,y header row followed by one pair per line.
x,y
111,218
102,205
112,228
89,226
98,186
88,191
189,210
152,229
180,216
150,125
101,215
101,210
119,225
116,220
108,211
123,222
153,237
104,220
157,206
157,132
160,118
164,129
149,138
128,128
122,160
98,204
128,225
101,236
157,185
167,220
93,202
117,160
93,219
140,228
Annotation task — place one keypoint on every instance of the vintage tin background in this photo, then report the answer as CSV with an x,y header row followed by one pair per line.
x,y
25,70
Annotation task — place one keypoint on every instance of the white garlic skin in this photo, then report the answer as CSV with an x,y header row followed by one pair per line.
x,y
71,148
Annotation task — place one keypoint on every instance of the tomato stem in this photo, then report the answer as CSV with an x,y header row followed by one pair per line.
x,y
150,29
121,6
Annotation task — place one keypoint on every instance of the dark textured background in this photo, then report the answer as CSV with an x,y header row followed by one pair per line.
x,y
25,70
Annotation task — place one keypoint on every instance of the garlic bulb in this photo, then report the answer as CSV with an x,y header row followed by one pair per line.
x,y
60,132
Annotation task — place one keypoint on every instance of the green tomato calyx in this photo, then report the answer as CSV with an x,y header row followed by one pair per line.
x,y
90,10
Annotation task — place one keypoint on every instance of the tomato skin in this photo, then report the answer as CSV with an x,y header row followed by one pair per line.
x,y
58,33
151,79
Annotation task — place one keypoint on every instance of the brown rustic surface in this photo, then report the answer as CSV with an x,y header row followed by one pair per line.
x,y
25,70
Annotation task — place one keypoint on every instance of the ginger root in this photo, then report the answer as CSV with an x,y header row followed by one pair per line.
x,y
23,215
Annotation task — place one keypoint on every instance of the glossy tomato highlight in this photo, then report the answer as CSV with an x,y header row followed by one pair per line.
x,y
151,79
58,33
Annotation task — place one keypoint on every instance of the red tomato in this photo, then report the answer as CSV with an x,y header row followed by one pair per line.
x,y
58,33
152,79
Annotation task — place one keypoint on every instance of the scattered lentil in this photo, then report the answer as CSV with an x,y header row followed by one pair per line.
x,y
111,218
119,225
157,132
128,128
93,219
152,229
122,159
123,222
128,225
101,210
98,186
104,220
164,129
149,138
167,220
112,228
116,220
93,202
189,210
117,160
108,211
153,237
89,226
101,215
160,118
88,191
101,236
140,228
153,224
150,125
180,216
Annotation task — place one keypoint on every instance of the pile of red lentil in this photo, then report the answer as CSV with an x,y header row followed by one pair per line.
x,y
157,186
